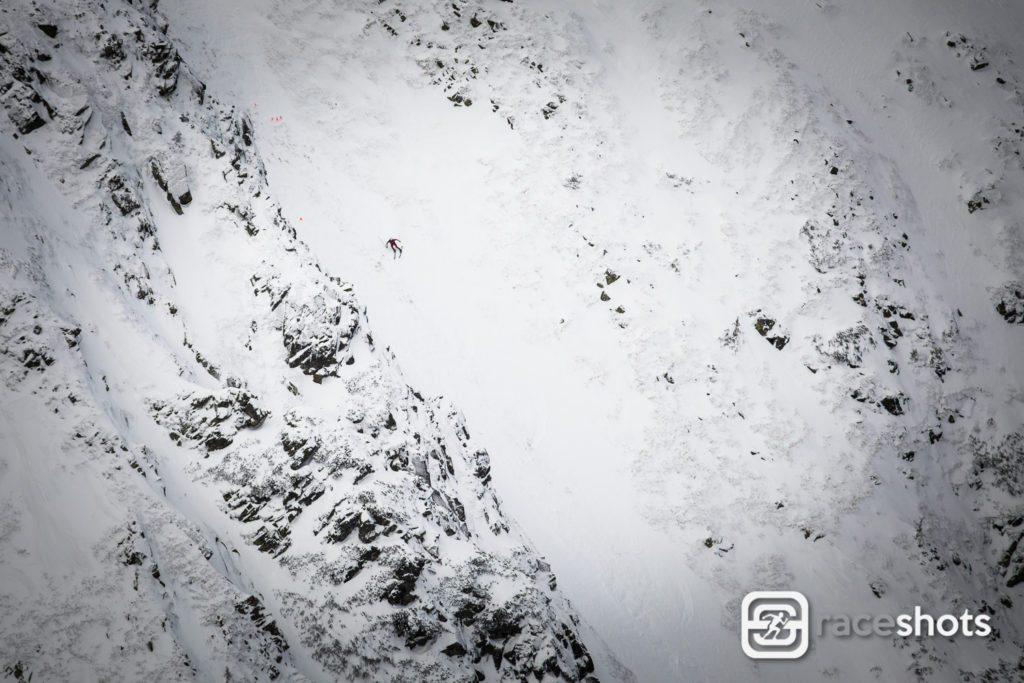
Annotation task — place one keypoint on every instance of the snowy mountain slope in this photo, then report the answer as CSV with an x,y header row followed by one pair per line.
x,y
210,468
731,294
609,209
102,579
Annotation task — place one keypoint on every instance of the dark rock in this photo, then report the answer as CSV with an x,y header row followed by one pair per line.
x,y
49,29
165,58
88,162
764,327
30,124
251,415
891,333
316,331
113,49
122,194
1009,302
400,591
977,202
369,555
272,540
502,624
414,628
468,611
483,466
212,420
584,662
893,404
174,204
343,526
273,643
300,448
216,442
1011,563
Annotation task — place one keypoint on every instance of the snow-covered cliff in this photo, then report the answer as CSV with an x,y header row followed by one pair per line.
x,y
211,470
730,295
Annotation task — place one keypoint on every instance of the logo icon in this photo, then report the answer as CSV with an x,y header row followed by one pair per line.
x,y
775,625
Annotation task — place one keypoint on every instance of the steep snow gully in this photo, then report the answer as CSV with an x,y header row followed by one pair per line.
x,y
730,297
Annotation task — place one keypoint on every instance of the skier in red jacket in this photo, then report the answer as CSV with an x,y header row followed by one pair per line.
x,y
395,247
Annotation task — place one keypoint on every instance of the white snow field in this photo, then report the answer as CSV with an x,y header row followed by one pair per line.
x,y
731,294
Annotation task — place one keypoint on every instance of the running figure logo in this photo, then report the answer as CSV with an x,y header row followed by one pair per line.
x,y
775,625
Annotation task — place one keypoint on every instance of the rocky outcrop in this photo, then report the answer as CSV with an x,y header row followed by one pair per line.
x,y
318,320
29,333
210,420
391,556
767,328
999,465
1009,300
848,346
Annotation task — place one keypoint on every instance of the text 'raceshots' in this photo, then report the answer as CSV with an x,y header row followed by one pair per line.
x,y
777,625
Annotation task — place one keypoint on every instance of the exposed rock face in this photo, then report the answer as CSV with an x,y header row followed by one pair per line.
x,y
318,322
767,328
250,490
212,420
150,569
29,333
295,494
1010,302
849,346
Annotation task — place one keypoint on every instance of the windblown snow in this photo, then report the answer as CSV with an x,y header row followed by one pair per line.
x,y
697,298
